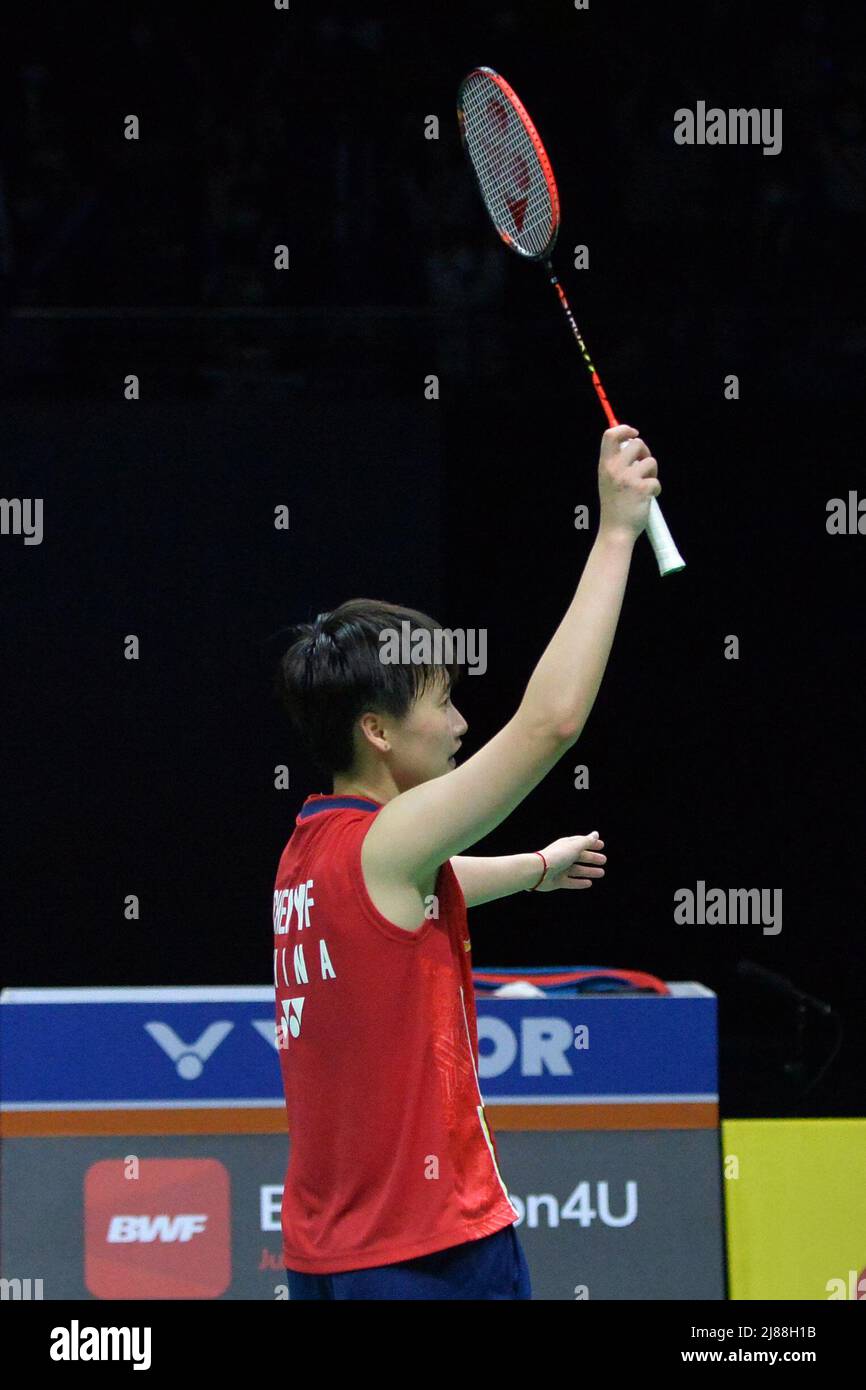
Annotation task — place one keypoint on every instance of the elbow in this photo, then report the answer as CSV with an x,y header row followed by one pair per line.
x,y
559,727
564,728
567,726
568,732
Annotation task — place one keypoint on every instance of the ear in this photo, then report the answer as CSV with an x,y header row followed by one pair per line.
x,y
372,731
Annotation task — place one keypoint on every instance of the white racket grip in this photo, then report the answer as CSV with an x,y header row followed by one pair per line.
x,y
669,558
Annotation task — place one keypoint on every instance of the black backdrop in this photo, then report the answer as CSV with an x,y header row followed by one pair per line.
x,y
306,388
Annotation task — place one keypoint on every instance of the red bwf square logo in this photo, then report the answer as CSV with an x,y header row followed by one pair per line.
x,y
157,1228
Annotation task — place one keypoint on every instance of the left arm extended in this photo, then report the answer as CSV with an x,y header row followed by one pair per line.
x,y
486,878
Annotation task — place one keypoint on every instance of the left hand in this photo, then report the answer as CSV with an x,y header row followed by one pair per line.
x,y
571,863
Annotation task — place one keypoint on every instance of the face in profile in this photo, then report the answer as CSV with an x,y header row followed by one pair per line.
x,y
425,742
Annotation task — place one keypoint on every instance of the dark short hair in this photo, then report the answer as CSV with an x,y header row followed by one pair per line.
x,y
332,673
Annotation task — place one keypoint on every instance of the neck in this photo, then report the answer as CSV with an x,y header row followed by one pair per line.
x,y
378,789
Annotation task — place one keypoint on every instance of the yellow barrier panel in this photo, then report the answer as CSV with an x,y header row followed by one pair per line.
x,y
795,1196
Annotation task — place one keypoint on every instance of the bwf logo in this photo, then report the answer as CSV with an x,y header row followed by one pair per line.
x,y
737,126
125,1230
172,1239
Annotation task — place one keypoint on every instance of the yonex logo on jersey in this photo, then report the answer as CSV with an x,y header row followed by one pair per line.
x,y
290,1023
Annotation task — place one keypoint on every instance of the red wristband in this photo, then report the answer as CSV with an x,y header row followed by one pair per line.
x,y
541,880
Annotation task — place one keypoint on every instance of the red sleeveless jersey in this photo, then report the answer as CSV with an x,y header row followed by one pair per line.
x,y
391,1154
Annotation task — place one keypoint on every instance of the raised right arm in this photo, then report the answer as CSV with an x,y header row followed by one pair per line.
x,y
422,827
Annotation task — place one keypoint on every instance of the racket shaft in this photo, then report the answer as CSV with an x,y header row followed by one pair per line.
x,y
661,540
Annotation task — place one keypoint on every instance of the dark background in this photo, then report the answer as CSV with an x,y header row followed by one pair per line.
x,y
306,388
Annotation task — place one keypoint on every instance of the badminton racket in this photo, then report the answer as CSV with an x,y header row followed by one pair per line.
x,y
519,190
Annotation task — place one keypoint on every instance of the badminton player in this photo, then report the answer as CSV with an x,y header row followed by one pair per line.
x,y
394,1188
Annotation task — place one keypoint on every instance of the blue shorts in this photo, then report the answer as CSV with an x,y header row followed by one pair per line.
x,y
493,1267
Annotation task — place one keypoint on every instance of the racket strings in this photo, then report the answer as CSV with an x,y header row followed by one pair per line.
x,y
510,174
